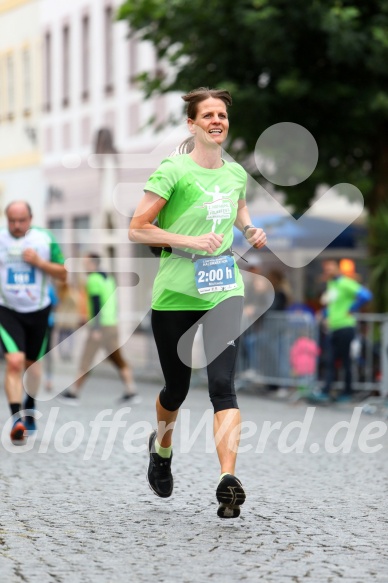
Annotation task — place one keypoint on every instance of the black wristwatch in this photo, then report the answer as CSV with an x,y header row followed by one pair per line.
x,y
245,229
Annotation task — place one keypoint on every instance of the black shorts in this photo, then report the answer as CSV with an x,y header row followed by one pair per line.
x,y
24,332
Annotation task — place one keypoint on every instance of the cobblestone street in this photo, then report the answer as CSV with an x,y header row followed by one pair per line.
x,y
76,506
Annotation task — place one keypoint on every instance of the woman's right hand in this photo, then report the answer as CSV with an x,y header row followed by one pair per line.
x,y
209,242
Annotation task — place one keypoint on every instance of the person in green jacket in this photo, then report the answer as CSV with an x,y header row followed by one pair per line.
x,y
343,298
103,332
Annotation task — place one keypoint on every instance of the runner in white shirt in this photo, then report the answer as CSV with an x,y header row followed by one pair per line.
x,y
28,258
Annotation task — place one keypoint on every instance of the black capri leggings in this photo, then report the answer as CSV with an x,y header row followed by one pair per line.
x,y
174,336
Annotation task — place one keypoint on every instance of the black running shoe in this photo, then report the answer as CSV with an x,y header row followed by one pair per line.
x,y
230,494
129,399
68,397
30,424
159,471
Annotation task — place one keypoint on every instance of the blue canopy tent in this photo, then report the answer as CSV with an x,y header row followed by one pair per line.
x,y
284,232
295,244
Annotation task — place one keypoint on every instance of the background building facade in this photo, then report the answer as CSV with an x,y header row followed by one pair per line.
x,y
92,105
21,173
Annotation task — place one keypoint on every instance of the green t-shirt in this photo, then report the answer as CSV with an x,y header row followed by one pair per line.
x,y
341,294
200,200
104,287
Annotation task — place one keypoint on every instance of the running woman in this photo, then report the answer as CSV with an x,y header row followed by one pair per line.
x,y
29,256
197,198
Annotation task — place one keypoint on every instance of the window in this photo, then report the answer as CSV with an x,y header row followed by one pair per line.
x,y
55,224
10,86
47,72
27,88
108,49
85,81
66,66
80,224
54,194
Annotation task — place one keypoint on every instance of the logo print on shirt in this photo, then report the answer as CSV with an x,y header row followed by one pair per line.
x,y
220,207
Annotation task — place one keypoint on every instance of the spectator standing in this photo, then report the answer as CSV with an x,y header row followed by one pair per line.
x,y
343,297
103,333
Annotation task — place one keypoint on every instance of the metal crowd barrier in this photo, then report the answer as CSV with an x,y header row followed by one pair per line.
x,y
269,348
279,352
278,341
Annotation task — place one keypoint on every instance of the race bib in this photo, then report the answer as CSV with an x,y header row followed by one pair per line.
x,y
18,278
215,274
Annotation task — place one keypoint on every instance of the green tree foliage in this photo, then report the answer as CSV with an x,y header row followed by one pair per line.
x,y
378,260
318,63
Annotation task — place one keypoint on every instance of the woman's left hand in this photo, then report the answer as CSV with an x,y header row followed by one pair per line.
x,y
256,237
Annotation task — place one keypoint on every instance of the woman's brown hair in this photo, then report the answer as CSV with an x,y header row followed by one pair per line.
x,y
197,95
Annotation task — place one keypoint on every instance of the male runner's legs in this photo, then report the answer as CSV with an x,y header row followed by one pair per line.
x,y
23,337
